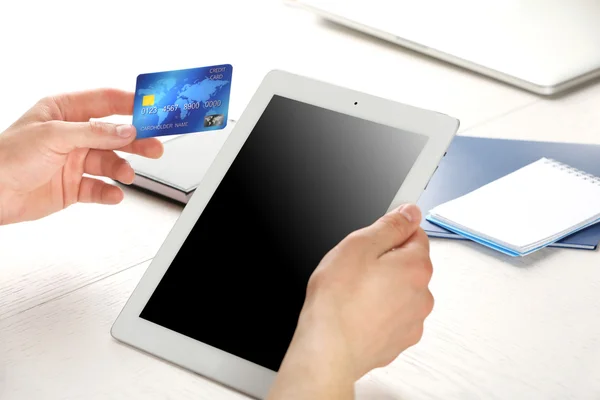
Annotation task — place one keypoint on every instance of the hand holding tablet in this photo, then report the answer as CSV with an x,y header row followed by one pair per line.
x,y
365,303
307,164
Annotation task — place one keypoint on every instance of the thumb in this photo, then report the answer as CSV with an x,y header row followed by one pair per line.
x,y
394,228
65,137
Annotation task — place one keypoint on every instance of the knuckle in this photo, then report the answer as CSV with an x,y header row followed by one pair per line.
x,y
387,359
420,241
422,237
313,282
100,128
49,127
354,239
47,108
50,136
318,280
50,130
423,271
429,303
416,334
427,267
46,101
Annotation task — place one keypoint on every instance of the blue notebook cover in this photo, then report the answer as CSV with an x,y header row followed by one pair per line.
x,y
472,162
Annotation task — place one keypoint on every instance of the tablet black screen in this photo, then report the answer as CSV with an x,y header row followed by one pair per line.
x,y
304,179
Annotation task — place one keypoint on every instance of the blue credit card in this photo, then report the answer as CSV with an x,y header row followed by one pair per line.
x,y
182,101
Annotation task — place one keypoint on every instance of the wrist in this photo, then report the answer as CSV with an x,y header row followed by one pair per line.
x,y
319,335
316,365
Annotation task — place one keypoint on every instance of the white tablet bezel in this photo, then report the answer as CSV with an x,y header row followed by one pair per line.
x,y
226,368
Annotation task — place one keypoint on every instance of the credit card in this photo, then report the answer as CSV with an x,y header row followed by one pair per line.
x,y
182,101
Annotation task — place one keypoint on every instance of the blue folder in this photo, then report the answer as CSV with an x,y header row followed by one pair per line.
x,y
472,162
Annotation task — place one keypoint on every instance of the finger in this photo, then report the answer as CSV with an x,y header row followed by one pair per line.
x,y
418,241
97,103
415,333
64,137
96,191
415,249
107,163
406,266
394,228
149,147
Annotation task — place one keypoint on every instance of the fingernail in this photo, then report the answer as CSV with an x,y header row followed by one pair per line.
x,y
125,130
410,211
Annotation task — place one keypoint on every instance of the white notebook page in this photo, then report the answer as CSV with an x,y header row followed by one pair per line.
x,y
526,206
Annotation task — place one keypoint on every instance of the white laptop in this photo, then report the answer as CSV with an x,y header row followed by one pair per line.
x,y
544,46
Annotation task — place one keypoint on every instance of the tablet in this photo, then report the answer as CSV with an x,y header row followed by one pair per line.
x,y
306,164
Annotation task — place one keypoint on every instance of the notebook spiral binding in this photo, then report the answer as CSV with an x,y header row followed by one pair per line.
x,y
571,170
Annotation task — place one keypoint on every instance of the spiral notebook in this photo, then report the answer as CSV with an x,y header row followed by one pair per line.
x,y
472,162
526,210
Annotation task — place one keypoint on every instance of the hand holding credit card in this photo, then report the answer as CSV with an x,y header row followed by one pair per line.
x,y
182,101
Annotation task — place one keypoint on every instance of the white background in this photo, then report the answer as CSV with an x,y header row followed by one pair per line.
x,y
502,328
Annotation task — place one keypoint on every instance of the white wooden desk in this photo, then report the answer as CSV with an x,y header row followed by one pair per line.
x,y
502,328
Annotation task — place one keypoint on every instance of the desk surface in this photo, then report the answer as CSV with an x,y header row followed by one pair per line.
x,y
502,328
